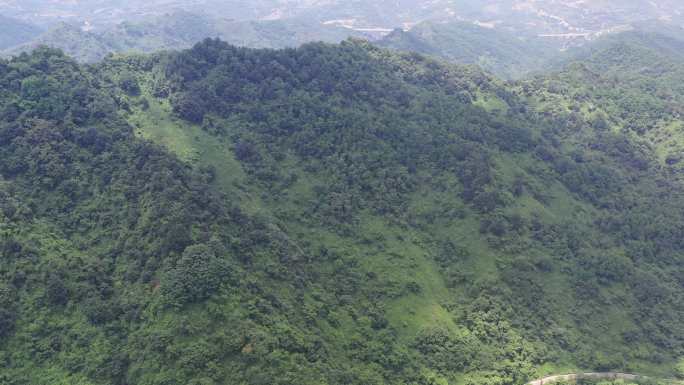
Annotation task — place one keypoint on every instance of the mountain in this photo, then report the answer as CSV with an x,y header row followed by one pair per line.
x,y
635,78
468,43
569,16
495,51
338,214
667,49
181,30
510,38
14,32
102,13
558,19
184,29
80,44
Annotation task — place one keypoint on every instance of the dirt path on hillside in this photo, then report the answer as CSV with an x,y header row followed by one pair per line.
x,y
577,376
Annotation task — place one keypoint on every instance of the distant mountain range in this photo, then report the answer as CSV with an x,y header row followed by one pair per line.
x,y
181,30
463,42
572,16
547,16
507,37
14,32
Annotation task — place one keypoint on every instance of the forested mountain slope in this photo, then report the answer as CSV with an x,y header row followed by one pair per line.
x,y
331,214
521,55
81,45
631,83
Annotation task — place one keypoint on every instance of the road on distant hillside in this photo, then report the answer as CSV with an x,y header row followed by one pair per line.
x,y
577,376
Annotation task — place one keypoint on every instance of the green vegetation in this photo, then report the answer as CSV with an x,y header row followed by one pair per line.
x,y
641,381
680,368
336,214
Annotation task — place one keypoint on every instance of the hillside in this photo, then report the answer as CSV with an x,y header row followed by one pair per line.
x,y
633,82
542,17
571,20
85,46
14,32
180,30
466,43
524,55
510,38
336,214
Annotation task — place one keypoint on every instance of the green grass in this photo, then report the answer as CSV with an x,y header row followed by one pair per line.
x,y
404,261
190,143
404,256
668,139
491,103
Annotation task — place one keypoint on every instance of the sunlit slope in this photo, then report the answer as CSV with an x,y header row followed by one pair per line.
x,y
331,214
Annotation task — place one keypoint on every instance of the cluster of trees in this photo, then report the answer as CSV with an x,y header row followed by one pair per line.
x,y
98,227
339,109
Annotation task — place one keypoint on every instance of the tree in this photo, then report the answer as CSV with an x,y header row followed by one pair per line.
x,y
56,291
197,276
8,315
129,84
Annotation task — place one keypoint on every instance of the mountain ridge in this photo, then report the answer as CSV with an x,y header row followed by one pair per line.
x,y
14,32
334,214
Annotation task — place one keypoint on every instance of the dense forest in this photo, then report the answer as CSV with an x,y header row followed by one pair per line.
x,y
338,214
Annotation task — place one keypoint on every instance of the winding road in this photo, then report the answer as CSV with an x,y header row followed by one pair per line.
x,y
577,376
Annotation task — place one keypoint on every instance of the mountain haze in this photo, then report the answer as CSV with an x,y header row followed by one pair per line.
x,y
544,16
509,38
14,32
468,43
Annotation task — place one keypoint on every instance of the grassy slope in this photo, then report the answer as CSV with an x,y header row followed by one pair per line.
x,y
402,259
401,256
398,258
405,255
